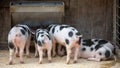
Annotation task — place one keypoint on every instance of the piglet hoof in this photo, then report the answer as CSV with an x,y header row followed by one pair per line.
x,y
10,63
17,55
44,55
40,62
74,61
36,56
28,56
49,61
68,62
22,62
53,55
61,55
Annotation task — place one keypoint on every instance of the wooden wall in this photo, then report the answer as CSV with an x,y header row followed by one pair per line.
x,y
93,18
4,22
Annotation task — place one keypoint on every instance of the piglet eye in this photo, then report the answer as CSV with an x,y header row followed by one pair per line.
x,y
42,35
100,53
91,49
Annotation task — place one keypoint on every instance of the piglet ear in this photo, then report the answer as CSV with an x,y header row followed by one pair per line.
x,y
32,31
80,35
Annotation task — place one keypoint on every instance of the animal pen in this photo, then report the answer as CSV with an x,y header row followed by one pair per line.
x,y
92,18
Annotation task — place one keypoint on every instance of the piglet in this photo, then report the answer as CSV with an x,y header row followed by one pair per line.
x,y
43,42
68,36
19,38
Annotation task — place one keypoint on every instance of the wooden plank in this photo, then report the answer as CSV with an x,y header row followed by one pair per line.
x,y
37,7
73,12
109,20
93,17
5,24
4,3
65,1
99,19
114,21
84,18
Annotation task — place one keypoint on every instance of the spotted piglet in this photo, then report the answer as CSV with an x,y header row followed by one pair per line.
x,y
43,41
19,38
67,36
97,49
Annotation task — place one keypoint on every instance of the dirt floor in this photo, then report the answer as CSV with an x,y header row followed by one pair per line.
x,y
57,62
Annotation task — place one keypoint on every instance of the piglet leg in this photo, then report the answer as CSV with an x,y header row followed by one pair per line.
x,y
27,48
21,55
11,56
76,54
54,50
16,52
49,55
40,55
68,54
36,51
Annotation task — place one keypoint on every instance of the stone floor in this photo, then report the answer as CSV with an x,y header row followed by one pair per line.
x,y
57,62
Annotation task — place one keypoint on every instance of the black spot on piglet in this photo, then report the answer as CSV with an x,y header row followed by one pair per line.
x,y
107,54
53,30
39,43
91,49
65,26
103,42
48,28
70,34
88,42
67,41
10,45
48,37
96,40
100,44
83,49
22,31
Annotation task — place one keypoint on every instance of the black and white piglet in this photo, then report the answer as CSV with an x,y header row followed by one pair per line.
x,y
43,41
68,36
19,38
96,49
